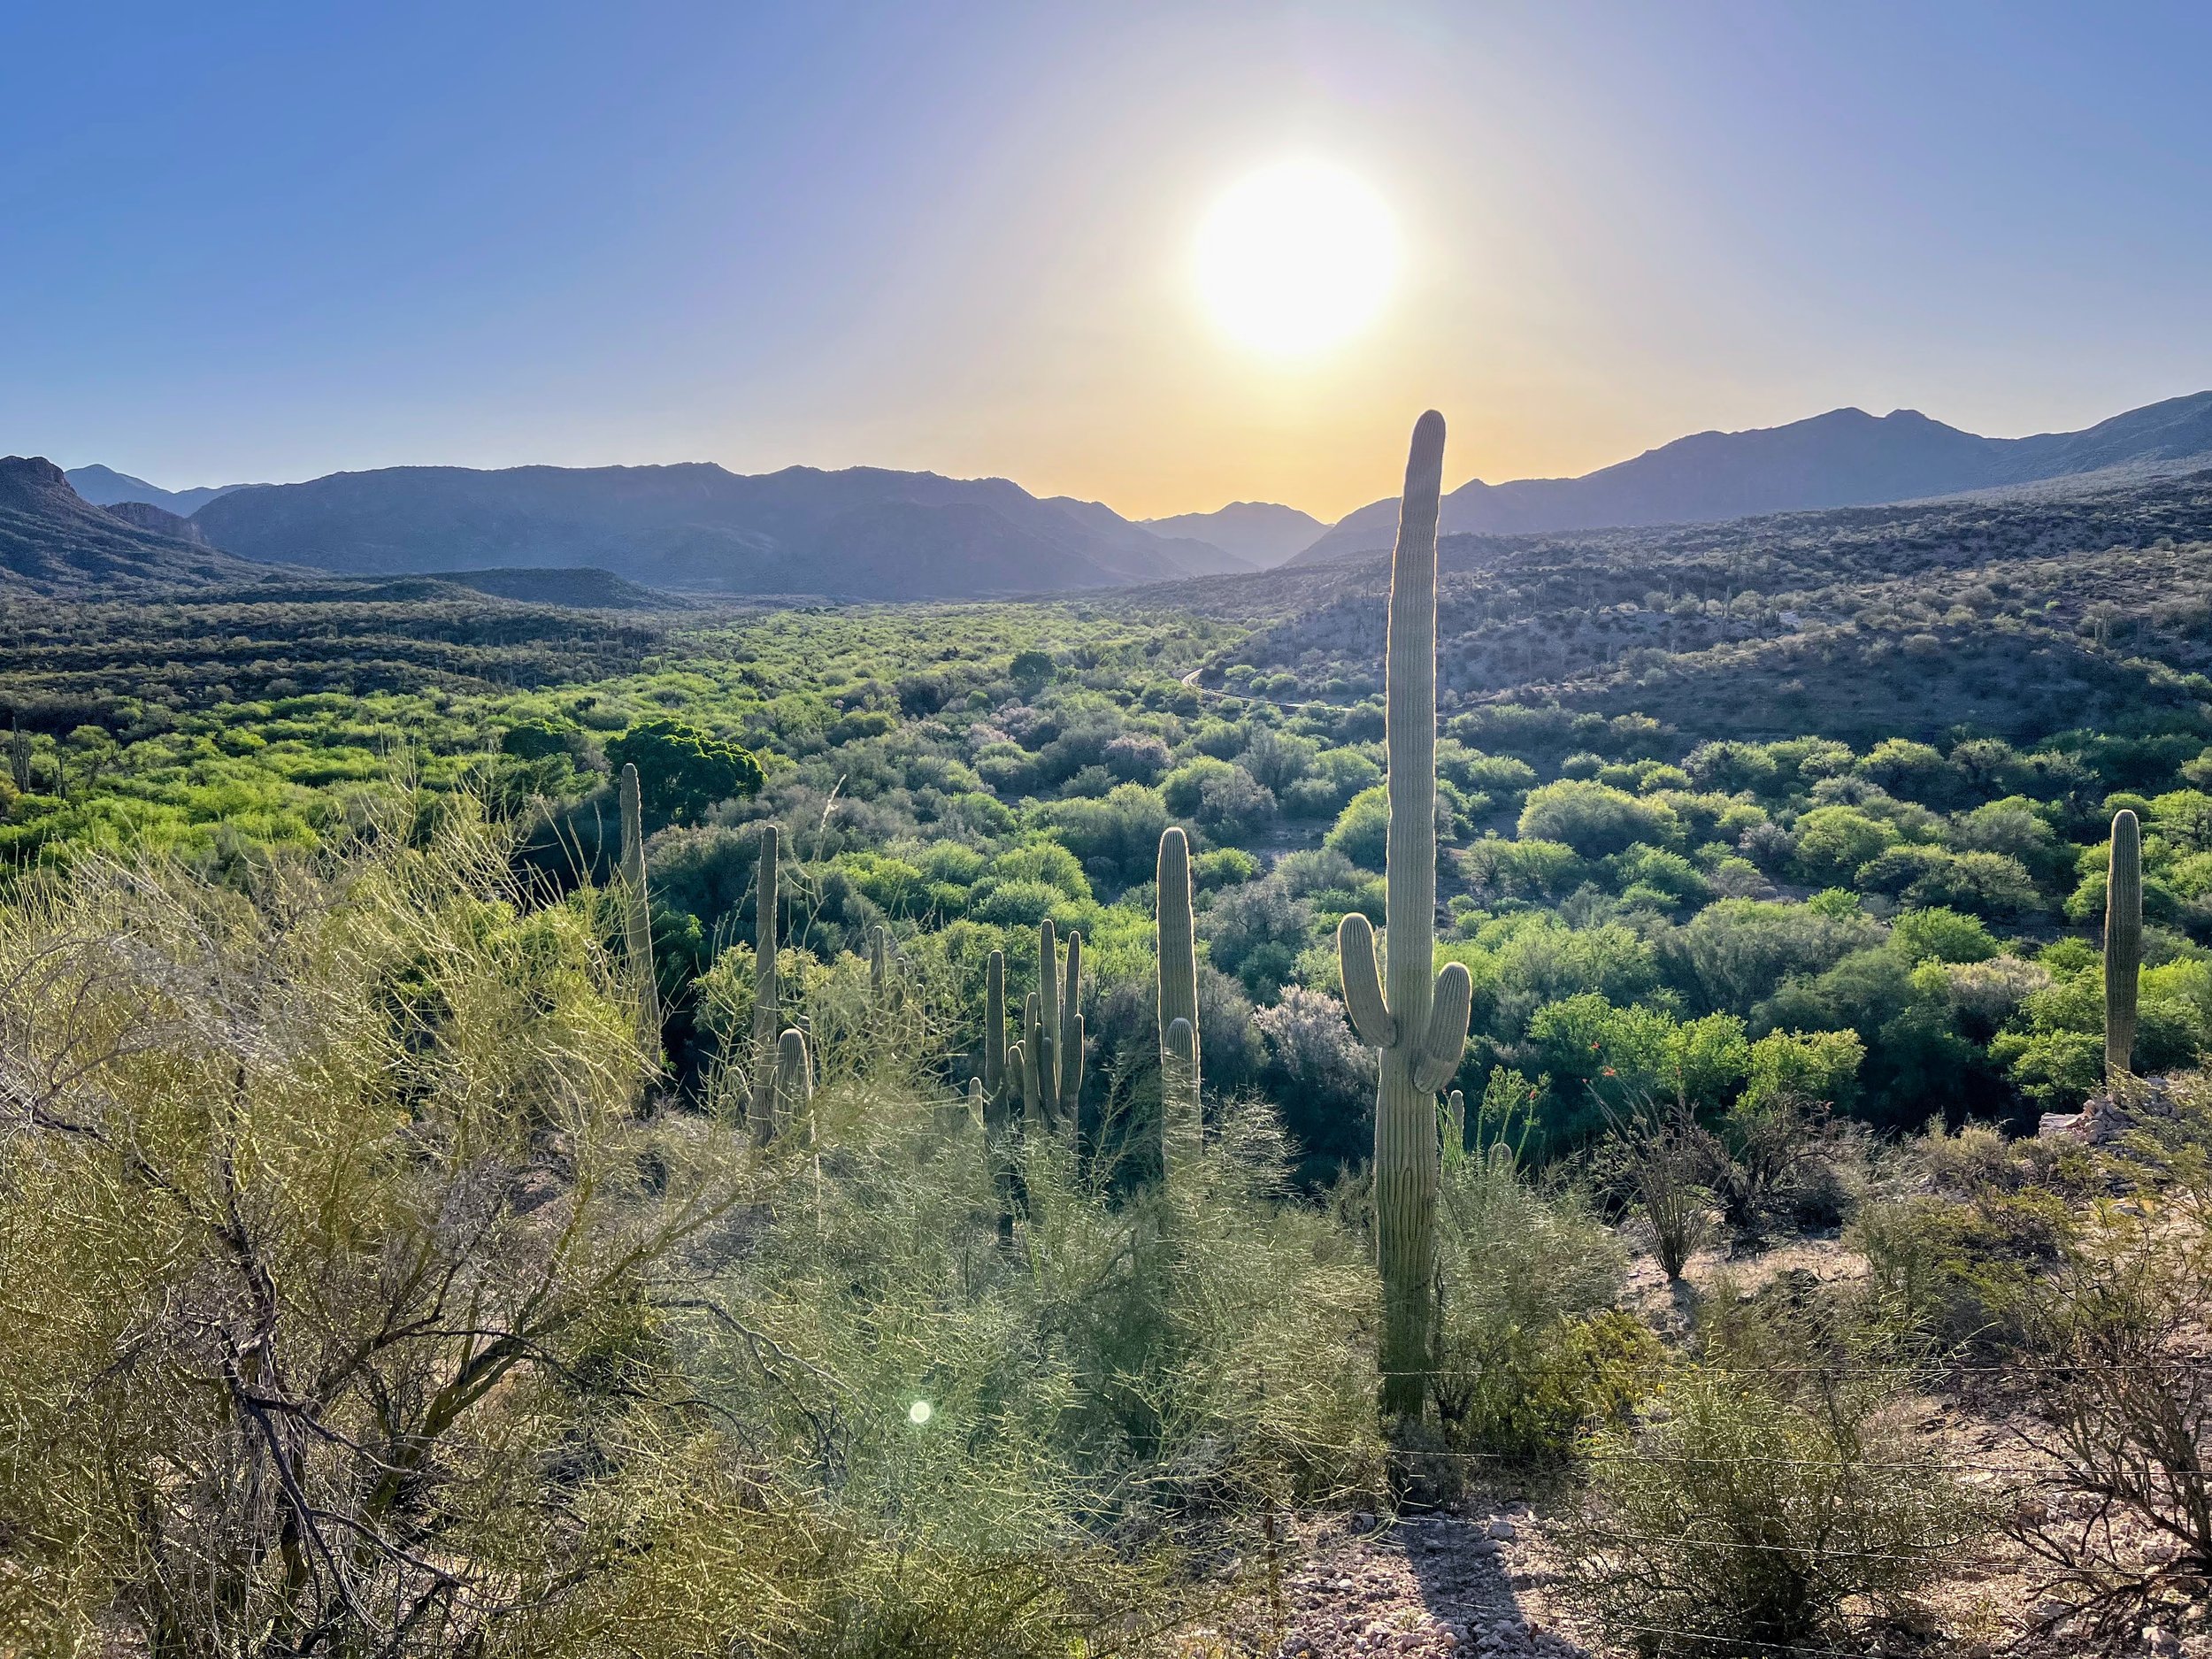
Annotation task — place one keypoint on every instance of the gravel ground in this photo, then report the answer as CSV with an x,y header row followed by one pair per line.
x,y
1464,1584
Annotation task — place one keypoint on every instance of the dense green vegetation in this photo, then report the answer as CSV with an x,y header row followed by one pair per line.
x,y
1627,892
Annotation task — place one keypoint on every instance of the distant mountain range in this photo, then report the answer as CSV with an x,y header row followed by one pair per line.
x,y
867,533
103,487
1261,533
1844,458
52,541
863,533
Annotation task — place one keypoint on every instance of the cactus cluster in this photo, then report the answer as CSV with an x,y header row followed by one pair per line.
x,y
2122,942
1049,1059
637,919
1417,1023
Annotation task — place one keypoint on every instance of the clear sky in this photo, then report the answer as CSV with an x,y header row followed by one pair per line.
x,y
267,242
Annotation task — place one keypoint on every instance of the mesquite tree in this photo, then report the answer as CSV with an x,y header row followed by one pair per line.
x,y
1419,1025
2122,942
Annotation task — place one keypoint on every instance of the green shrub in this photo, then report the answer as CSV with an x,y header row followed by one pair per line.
x,y
1756,1515
1529,1353
1941,935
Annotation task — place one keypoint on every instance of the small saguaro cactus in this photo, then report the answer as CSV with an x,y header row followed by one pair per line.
x,y
2122,942
1455,1126
793,1081
998,1075
1176,941
1418,1024
637,916
883,969
767,992
1051,1062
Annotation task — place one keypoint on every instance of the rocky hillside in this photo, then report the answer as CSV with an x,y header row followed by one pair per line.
x,y
53,542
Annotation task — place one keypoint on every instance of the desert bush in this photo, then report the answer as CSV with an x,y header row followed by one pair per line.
x,y
1956,1272
1762,1511
361,1298
1531,1354
2124,1410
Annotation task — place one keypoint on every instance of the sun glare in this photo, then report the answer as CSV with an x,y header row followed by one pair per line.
x,y
1296,258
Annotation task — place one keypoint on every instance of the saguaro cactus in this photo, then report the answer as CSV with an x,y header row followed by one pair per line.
x,y
2122,942
1052,1033
1455,1126
884,985
793,1080
637,918
1420,1026
767,992
1176,941
996,1089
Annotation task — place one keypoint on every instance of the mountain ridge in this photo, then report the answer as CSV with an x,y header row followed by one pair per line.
x,y
1844,457
855,532
105,487
1265,533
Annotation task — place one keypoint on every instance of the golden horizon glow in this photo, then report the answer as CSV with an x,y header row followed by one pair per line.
x,y
1296,258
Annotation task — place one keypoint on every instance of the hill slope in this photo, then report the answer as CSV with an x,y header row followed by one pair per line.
x,y
1844,458
862,532
2020,613
54,541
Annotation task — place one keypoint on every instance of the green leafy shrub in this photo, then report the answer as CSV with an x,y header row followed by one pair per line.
x,y
1531,1353
1757,1515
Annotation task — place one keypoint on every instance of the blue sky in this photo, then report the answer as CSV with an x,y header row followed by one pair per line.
x,y
270,242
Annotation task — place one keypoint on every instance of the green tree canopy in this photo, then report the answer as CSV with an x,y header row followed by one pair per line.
x,y
681,769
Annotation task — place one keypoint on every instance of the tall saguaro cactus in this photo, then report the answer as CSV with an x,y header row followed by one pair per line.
x,y
2122,942
1420,1026
1176,941
637,916
1051,1049
767,992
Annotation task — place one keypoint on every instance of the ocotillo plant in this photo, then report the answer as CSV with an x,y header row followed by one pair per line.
x,y
767,994
2122,942
637,918
1052,1034
1175,938
1420,1026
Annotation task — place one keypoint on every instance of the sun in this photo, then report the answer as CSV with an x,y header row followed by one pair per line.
x,y
1296,258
